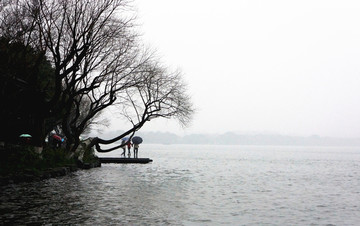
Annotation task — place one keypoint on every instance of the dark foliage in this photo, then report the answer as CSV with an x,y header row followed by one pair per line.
x,y
26,83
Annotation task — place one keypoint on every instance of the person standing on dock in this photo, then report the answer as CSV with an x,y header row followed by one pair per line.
x,y
124,148
129,148
136,149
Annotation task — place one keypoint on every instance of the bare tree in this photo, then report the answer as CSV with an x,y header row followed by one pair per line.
x,y
159,94
93,51
97,59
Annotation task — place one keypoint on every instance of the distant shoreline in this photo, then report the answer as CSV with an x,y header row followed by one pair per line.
x,y
240,139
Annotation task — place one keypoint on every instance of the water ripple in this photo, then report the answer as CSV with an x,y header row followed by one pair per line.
x,y
232,185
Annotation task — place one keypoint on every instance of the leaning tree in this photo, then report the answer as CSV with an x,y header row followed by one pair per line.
x,y
98,62
159,93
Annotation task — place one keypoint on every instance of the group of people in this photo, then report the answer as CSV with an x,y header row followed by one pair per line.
x,y
128,144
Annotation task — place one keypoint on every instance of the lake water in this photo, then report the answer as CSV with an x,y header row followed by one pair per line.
x,y
199,185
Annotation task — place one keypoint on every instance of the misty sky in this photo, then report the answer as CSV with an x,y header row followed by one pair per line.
x,y
286,67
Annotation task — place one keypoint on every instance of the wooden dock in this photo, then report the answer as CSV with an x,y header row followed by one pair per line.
x,y
124,160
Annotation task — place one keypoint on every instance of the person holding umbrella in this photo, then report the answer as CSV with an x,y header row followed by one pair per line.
x,y
123,146
136,141
136,149
129,148
56,140
25,138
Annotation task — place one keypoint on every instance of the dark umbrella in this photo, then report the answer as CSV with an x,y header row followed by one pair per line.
x,y
137,140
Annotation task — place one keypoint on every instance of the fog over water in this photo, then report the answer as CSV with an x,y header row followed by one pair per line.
x,y
284,67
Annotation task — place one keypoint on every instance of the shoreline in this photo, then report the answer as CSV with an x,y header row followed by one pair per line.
x,y
28,176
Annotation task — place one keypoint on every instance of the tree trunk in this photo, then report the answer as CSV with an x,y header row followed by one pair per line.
x,y
38,131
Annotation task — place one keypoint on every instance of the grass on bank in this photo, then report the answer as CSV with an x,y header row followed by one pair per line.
x,y
18,159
